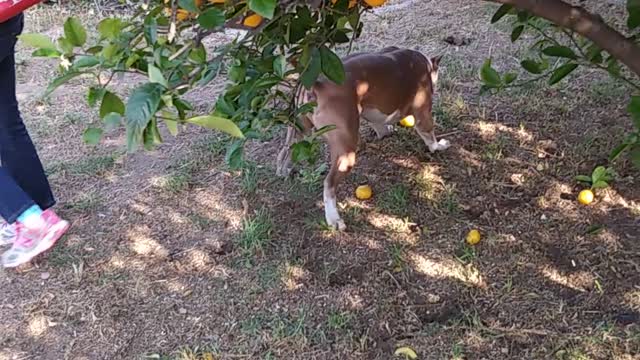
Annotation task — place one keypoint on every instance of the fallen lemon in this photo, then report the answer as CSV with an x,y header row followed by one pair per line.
x,y
252,21
216,1
364,192
408,121
585,197
473,237
375,3
407,352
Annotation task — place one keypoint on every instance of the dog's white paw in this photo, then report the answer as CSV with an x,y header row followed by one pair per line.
x,y
337,224
442,144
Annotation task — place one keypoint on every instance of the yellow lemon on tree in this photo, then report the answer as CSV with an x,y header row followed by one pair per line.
x,y
585,197
252,20
375,3
364,192
408,121
473,237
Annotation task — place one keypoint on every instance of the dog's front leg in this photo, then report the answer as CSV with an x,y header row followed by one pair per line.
x,y
433,143
341,165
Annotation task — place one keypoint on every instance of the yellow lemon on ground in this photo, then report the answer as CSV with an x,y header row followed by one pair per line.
x,y
252,21
585,197
216,1
352,3
407,352
364,192
473,237
375,3
409,121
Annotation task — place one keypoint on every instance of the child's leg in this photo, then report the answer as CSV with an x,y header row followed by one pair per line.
x,y
19,158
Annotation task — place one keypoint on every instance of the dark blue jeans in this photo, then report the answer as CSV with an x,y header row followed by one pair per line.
x,y
22,179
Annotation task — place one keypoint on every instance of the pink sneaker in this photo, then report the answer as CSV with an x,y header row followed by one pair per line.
x,y
31,242
7,233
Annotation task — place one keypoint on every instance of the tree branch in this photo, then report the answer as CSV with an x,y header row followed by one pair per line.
x,y
586,24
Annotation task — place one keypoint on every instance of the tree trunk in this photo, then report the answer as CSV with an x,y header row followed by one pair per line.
x,y
586,24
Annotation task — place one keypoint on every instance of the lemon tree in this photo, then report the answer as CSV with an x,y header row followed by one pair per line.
x,y
287,45
283,46
567,38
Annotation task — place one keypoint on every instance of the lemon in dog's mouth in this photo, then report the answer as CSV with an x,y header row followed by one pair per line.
x,y
408,121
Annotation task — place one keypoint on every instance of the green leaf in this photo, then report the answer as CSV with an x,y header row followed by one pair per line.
x,y
635,155
517,31
46,53
332,65
85,61
598,173
37,41
75,32
198,55
634,110
182,106
600,185
172,126
633,7
92,136
57,82
189,5
217,123
95,95
110,28
264,8
312,70
111,103
65,46
531,66
155,76
489,75
510,77
280,65
561,72
112,120
560,51
618,150
501,12
141,107
211,19
234,155
151,31
583,178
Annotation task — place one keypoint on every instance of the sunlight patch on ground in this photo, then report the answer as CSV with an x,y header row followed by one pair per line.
x,y
293,277
578,281
217,207
632,298
38,325
443,269
143,244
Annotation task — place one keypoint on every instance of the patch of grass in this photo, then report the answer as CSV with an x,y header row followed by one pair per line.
x,y
62,255
287,326
571,354
339,320
457,351
426,184
495,150
268,275
177,181
449,200
86,202
200,222
249,182
312,177
89,166
252,326
397,256
395,200
467,254
256,232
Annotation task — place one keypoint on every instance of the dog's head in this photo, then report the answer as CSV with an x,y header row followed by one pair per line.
x,y
434,63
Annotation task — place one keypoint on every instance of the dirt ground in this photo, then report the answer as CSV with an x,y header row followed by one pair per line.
x,y
173,256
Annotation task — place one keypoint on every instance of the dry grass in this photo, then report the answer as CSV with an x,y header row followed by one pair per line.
x,y
173,256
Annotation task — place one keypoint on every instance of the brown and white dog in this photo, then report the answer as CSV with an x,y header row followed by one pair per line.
x,y
382,88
